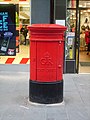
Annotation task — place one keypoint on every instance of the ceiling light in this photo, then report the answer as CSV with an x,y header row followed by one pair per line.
x,y
80,5
88,10
4,2
73,13
22,17
24,3
84,11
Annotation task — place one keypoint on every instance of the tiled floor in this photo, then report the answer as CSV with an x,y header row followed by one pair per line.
x,y
24,53
83,57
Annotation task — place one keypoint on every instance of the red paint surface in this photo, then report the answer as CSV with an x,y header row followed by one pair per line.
x,y
46,52
72,3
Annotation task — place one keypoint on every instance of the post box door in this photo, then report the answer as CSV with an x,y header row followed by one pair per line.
x,y
48,61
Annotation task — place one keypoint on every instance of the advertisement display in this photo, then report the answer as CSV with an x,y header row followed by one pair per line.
x,y
17,28
7,30
70,45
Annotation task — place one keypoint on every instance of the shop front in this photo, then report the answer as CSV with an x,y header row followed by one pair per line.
x,y
75,14
16,48
77,22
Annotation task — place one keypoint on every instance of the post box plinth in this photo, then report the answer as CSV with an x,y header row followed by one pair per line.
x,y
46,93
46,67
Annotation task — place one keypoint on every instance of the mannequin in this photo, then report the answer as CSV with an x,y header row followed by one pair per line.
x,y
87,39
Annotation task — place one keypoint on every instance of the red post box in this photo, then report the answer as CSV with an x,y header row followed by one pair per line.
x,y
46,67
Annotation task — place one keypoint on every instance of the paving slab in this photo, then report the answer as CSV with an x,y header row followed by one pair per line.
x,y
14,103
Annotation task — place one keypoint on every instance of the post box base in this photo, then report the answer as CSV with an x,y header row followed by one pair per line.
x,y
46,92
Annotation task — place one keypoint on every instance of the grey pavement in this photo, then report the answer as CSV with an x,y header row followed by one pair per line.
x,y
14,90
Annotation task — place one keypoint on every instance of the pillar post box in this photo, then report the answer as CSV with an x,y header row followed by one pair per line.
x,y
46,63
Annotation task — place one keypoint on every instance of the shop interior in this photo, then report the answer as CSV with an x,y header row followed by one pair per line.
x,y
24,20
84,21
84,55
22,51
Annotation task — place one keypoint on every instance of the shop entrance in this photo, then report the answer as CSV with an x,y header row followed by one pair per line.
x,y
84,56
16,52
77,20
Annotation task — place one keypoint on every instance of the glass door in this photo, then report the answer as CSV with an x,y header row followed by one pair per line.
x,y
84,57
70,34
70,41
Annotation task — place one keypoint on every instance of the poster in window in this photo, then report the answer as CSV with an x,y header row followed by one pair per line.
x,y
7,30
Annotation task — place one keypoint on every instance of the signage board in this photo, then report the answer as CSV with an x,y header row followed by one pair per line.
x,y
7,30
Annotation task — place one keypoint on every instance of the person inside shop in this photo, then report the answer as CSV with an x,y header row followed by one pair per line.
x,y
22,39
87,39
24,31
82,40
85,25
72,27
25,34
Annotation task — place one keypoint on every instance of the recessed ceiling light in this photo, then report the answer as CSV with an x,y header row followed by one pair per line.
x,y
80,5
24,3
88,10
4,2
